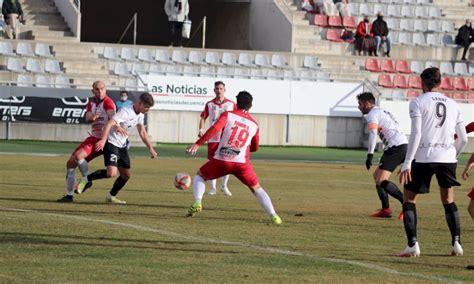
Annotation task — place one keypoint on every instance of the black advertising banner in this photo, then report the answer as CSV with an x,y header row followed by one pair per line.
x,y
70,110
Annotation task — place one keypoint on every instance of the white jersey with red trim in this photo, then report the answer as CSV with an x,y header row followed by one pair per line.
x,y
387,126
97,126
213,111
439,117
239,132
127,118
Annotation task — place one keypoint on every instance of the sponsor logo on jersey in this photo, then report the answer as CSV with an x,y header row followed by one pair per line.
x,y
228,153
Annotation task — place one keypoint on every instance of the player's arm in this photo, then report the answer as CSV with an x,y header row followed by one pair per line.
x,y
99,146
202,122
213,130
413,143
371,144
255,143
469,166
146,140
461,142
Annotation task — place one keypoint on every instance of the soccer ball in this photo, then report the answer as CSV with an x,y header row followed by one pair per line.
x,y
182,181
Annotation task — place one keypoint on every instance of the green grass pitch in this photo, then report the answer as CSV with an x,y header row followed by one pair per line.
x,y
324,197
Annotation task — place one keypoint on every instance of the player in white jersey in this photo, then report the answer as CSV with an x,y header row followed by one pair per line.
x,y
240,136
114,143
213,110
395,146
99,109
432,150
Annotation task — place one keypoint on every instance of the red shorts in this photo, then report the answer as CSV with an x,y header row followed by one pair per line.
x,y
211,149
471,194
88,146
217,168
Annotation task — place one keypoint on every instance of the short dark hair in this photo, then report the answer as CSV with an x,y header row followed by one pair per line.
x,y
366,97
147,99
124,92
244,100
219,83
431,78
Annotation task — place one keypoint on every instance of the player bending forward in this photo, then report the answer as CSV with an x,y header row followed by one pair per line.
x,y
432,150
239,138
99,109
114,144
395,144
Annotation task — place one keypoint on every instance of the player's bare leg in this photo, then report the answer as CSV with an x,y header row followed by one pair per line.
x,y
452,218
224,188
213,189
266,203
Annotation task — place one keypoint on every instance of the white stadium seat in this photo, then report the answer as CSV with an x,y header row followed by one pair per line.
x,y
34,66
15,65
262,60
246,59
62,82
196,57
279,61
163,56
43,81
128,54
229,59
446,68
310,62
213,58
42,49
460,68
121,69
110,53
145,55
179,56
24,49
6,48
416,67
24,80
52,66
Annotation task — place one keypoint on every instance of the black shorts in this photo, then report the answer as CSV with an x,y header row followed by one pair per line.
x,y
421,174
392,157
115,156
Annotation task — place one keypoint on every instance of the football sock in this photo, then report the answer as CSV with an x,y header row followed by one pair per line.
x,y
392,190
410,221
118,184
265,201
99,174
199,187
225,179
383,197
213,183
70,182
452,217
83,166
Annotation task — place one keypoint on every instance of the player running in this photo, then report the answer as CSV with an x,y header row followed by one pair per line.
x,y
114,144
395,147
99,109
213,110
432,150
240,136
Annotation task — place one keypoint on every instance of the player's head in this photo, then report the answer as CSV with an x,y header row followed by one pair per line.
x,y
430,79
244,100
123,96
144,103
366,19
219,89
98,89
366,102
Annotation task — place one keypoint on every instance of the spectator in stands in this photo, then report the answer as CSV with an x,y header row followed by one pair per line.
x,y
326,7
177,12
380,30
124,101
465,37
12,12
341,6
308,6
365,37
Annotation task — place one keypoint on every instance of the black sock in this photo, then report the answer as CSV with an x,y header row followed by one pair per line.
x,y
99,174
452,218
383,197
410,220
118,184
392,190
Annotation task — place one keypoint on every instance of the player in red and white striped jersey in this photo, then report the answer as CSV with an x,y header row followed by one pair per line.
x,y
240,136
99,109
213,110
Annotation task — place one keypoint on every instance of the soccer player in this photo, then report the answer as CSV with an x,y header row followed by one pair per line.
x,y
213,110
114,144
432,150
240,136
99,109
395,146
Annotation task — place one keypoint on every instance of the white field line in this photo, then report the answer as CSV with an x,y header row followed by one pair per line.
x,y
236,244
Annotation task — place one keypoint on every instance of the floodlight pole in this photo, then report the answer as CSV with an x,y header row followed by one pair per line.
x,y
204,23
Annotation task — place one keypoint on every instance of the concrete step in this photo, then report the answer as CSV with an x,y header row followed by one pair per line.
x,y
29,26
51,40
66,56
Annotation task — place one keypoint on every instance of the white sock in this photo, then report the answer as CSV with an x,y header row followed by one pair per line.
x,y
265,201
70,182
225,179
83,168
213,184
199,187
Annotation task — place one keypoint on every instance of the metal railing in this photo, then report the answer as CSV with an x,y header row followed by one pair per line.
x,y
203,23
133,21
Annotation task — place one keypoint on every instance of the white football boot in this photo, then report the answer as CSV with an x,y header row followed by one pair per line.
x,y
457,249
411,251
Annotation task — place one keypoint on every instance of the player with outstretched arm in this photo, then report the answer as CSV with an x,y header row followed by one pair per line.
x,y
240,136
